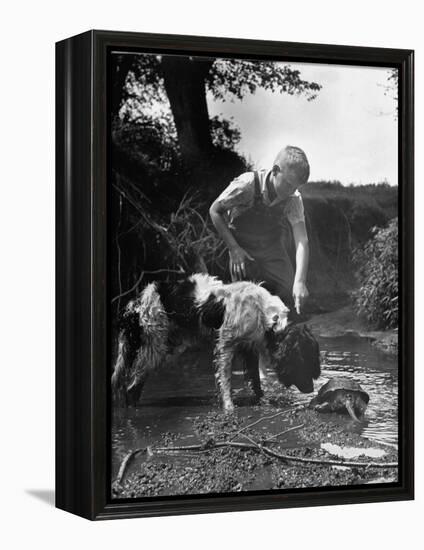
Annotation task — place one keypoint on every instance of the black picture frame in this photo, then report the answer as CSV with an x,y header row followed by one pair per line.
x,y
82,394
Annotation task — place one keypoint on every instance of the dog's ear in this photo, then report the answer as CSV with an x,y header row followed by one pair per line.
x,y
314,353
296,358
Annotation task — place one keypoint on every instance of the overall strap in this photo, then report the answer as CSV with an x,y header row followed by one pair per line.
x,y
257,196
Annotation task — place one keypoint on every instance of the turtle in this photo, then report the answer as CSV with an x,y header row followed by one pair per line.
x,y
341,395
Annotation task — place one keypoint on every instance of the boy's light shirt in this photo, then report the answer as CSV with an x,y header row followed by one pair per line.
x,y
240,194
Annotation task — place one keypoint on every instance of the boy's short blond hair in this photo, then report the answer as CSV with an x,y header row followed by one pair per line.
x,y
296,159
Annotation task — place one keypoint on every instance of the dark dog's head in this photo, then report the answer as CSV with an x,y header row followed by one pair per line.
x,y
295,357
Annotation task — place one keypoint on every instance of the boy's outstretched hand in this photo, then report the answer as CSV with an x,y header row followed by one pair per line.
x,y
300,293
238,257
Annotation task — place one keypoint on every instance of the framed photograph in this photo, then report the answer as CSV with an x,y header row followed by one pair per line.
x,y
234,274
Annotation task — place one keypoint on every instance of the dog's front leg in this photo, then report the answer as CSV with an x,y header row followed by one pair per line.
x,y
264,365
224,354
251,369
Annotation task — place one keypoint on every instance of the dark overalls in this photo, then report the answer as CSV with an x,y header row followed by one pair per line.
x,y
264,232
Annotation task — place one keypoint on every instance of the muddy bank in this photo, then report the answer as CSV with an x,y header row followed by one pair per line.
x,y
219,467
179,408
345,321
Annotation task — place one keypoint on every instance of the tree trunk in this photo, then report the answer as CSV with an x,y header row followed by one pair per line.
x,y
185,86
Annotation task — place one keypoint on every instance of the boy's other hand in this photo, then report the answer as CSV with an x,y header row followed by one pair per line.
x,y
300,293
238,257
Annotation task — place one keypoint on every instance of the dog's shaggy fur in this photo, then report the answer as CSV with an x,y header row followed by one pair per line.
x,y
242,316
142,344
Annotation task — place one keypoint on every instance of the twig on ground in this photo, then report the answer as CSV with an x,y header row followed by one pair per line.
x,y
261,420
284,432
286,457
125,463
253,446
252,441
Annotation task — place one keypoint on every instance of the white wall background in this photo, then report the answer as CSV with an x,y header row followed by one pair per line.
x,y
29,30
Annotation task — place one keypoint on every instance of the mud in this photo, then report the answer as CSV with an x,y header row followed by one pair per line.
x,y
179,408
232,470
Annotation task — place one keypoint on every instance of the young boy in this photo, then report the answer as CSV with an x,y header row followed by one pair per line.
x,y
251,215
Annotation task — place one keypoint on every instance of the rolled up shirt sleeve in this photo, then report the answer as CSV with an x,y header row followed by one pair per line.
x,y
239,193
295,211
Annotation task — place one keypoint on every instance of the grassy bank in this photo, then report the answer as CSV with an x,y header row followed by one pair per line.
x,y
340,220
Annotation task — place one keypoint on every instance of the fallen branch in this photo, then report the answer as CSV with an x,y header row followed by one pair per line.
x,y
284,432
261,420
253,442
125,463
286,457
249,446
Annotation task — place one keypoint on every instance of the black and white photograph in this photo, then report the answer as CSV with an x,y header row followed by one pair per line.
x,y
252,275
210,325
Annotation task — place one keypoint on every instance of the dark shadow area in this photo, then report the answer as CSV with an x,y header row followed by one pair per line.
x,y
46,495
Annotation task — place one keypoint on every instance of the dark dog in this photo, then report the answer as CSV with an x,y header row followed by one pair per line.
x,y
241,316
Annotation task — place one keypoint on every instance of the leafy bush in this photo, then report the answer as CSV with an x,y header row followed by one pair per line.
x,y
377,261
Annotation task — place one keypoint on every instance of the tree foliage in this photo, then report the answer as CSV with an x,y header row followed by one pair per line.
x,y
392,89
235,78
224,79
377,296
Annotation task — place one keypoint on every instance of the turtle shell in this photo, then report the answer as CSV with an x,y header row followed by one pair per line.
x,y
339,383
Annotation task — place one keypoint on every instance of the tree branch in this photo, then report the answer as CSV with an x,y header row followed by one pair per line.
x,y
258,447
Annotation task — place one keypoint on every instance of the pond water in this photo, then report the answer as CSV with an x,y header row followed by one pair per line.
x,y
377,372
177,393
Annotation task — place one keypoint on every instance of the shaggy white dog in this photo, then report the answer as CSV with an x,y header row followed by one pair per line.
x,y
243,315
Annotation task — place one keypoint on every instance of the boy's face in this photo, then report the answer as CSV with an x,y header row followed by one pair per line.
x,y
285,181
